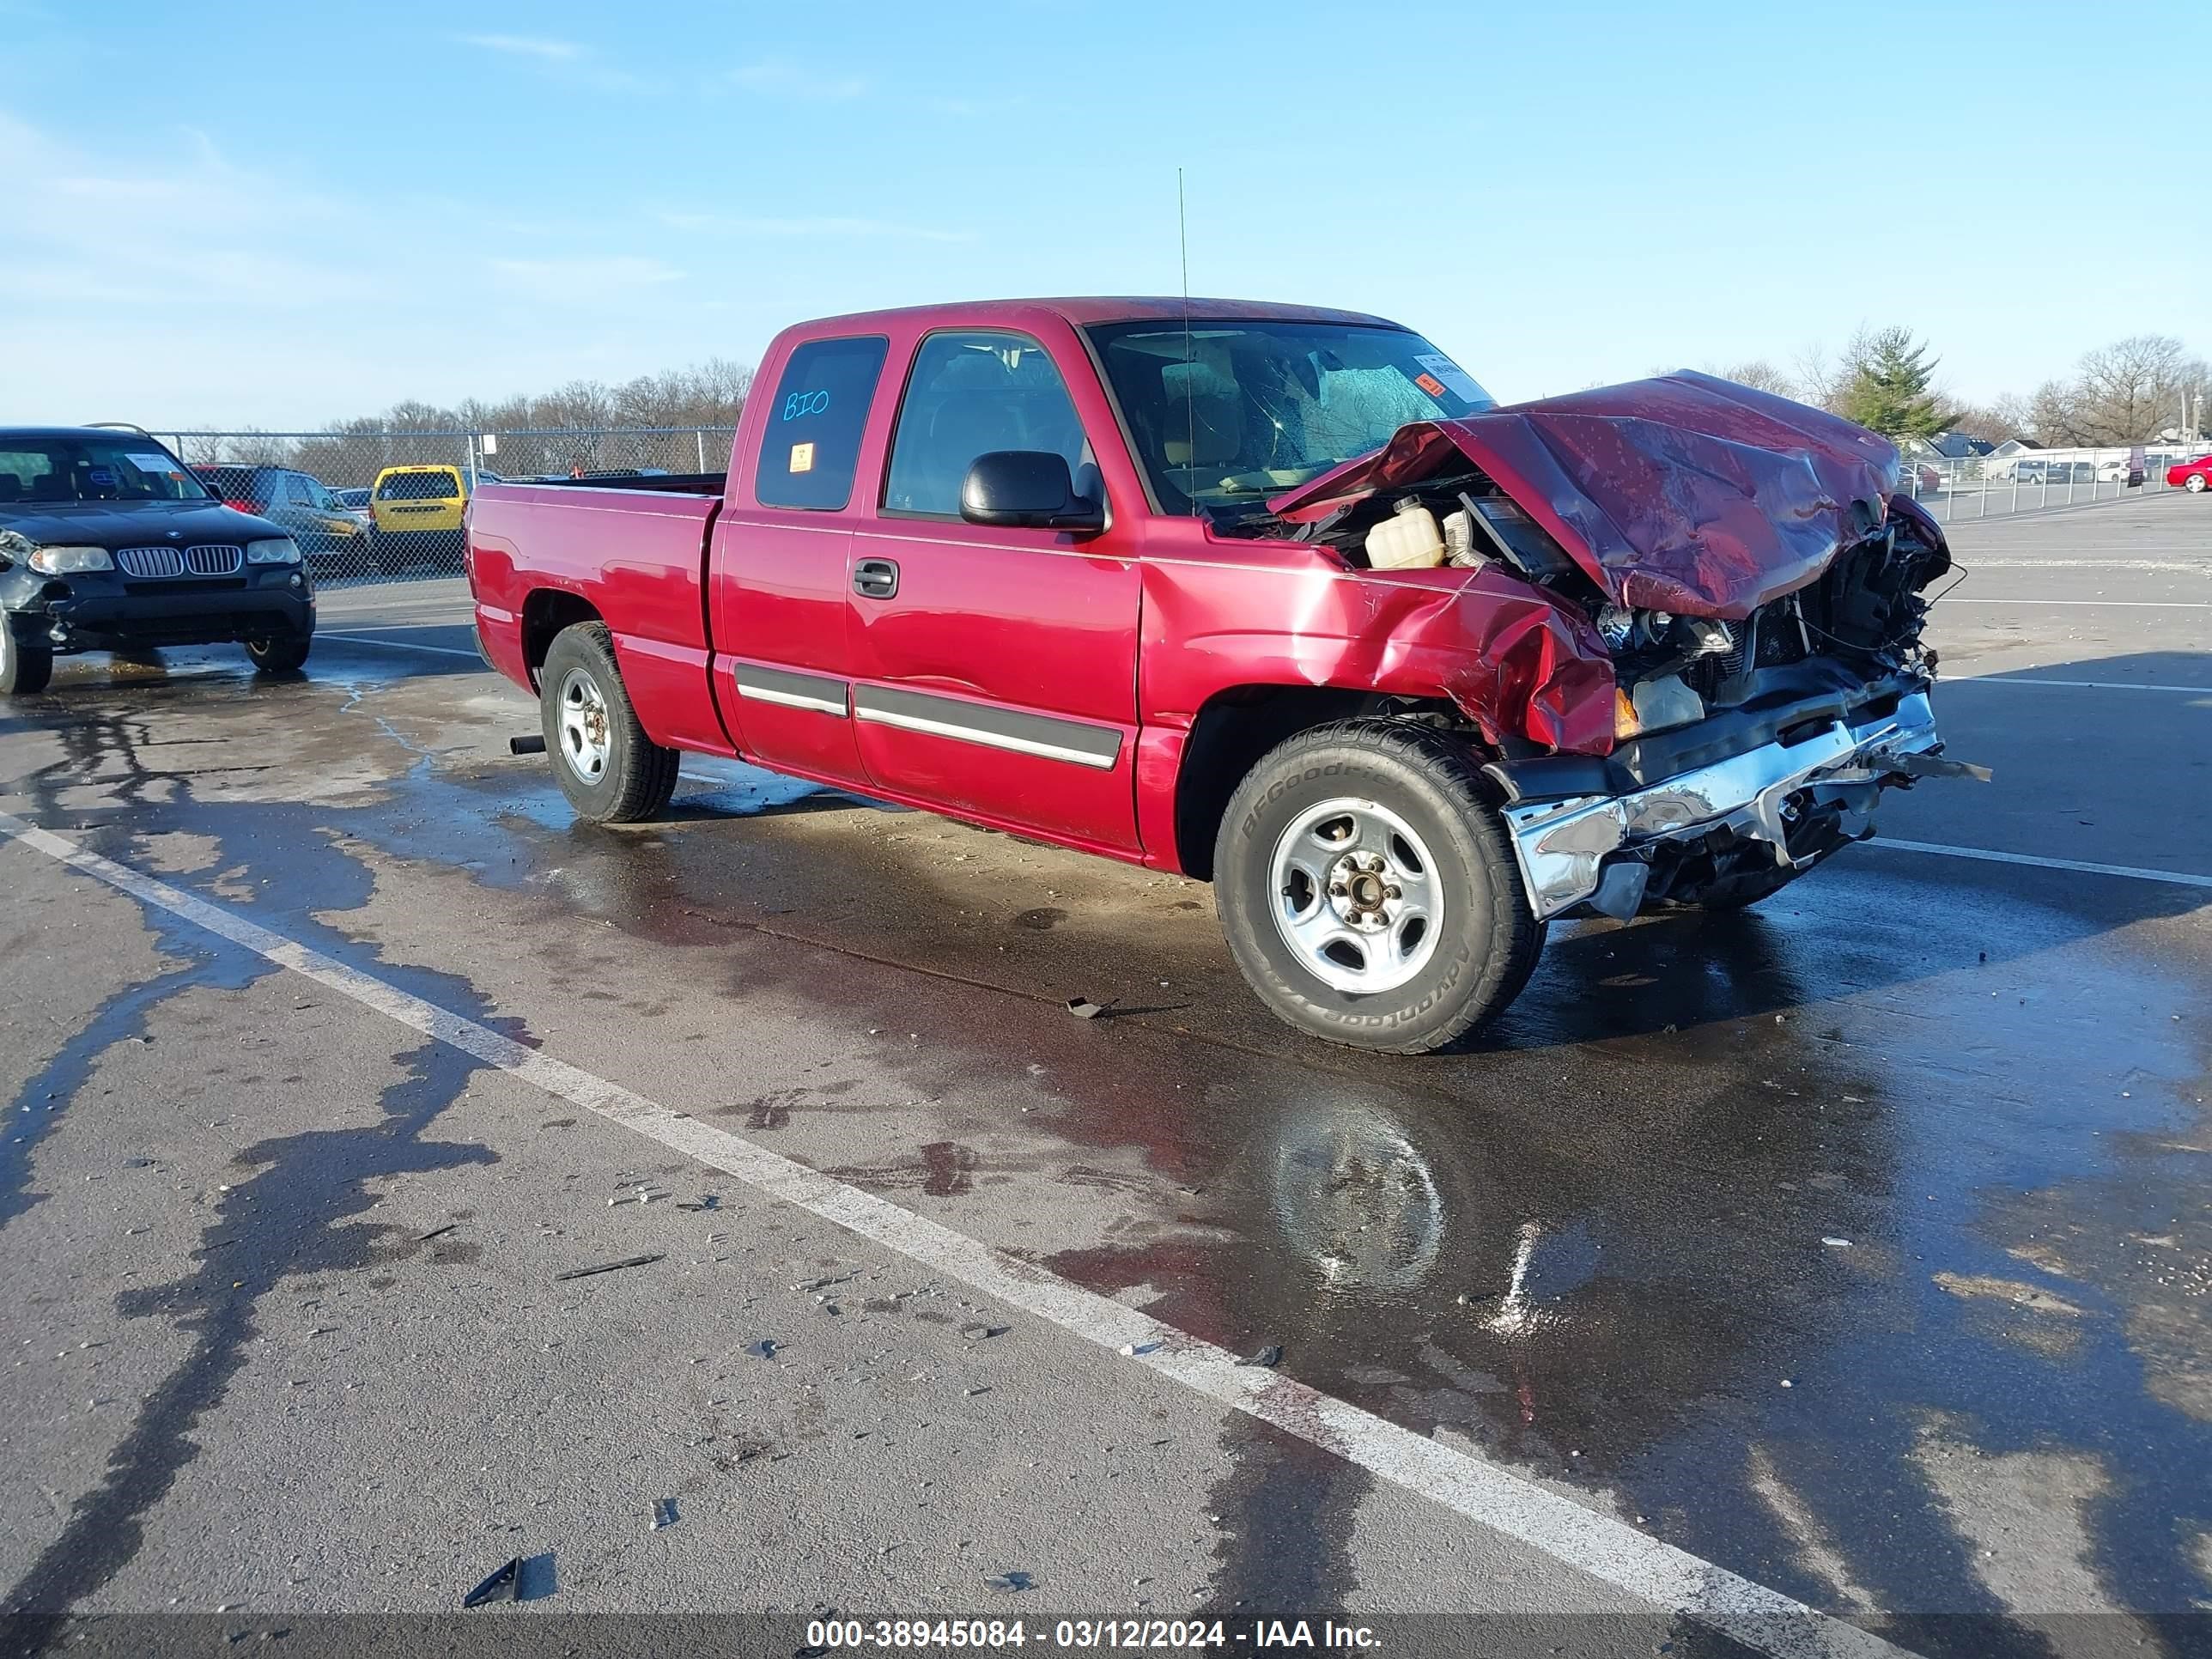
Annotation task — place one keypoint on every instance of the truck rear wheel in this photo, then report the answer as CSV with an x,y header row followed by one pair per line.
x,y
24,669
1368,890
609,770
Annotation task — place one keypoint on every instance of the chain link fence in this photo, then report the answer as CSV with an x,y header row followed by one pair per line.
x,y
1992,486
374,504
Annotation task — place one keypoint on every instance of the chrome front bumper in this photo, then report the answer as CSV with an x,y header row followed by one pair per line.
x,y
1568,849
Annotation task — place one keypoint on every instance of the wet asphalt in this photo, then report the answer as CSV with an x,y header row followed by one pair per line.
x,y
1861,1245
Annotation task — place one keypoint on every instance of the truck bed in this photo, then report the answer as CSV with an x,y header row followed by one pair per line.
x,y
670,483
634,550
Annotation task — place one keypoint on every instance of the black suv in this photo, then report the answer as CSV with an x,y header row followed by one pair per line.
x,y
109,542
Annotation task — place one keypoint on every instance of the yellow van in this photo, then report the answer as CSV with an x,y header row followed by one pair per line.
x,y
417,511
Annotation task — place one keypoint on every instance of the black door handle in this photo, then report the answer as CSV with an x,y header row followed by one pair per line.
x,y
876,579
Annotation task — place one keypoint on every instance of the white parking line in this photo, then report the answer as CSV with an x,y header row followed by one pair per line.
x,y
2134,872
1597,1545
398,645
2177,566
2003,678
2088,605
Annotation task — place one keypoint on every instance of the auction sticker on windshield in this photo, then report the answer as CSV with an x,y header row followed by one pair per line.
x,y
1460,384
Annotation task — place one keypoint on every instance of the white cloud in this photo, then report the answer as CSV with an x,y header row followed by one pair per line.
x,y
579,280
249,296
815,226
527,46
782,77
202,229
563,60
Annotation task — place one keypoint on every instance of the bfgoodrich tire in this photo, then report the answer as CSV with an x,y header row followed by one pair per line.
x,y
609,770
1369,891
24,670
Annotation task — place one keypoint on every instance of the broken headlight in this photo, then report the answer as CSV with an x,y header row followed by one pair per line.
x,y
1622,628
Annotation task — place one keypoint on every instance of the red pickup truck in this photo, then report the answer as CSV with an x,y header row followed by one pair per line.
x,y
1272,596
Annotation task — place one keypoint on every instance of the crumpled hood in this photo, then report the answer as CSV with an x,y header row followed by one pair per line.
x,y
112,525
1687,493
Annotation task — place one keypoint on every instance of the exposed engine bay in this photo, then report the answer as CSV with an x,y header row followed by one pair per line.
x,y
1759,591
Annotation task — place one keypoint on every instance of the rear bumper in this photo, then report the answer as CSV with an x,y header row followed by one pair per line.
x,y
1592,849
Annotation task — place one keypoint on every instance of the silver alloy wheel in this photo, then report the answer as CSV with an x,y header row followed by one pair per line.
x,y
586,731
1356,895
2194,484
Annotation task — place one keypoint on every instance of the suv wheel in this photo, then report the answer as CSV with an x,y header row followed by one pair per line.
x,y
281,655
1368,890
24,669
609,770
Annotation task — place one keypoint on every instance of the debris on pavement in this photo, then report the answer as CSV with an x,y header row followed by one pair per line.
x,y
1269,1356
664,1513
1084,1008
976,1331
612,1267
435,1232
1009,1582
764,1349
504,1585
1835,1243
707,1201
1132,1349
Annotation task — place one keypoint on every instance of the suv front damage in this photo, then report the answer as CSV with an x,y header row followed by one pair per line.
x,y
1758,587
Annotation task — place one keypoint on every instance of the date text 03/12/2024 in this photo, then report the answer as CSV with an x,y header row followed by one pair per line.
x,y
825,1637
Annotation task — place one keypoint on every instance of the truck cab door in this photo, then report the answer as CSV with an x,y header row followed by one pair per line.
x,y
994,670
778,562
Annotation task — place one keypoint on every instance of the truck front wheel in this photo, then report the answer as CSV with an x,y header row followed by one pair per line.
x,y
1369,891
609,770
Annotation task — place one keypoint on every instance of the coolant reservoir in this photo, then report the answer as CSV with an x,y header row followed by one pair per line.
x,y
1407,540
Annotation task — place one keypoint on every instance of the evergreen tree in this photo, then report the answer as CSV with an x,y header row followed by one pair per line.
x,y
1888,388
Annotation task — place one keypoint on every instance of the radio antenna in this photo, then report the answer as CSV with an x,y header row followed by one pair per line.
x,y
1189,392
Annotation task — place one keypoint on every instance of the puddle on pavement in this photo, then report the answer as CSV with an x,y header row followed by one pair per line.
x,y
1689,1234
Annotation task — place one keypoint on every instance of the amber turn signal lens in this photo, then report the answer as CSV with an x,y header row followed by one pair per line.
x,y
1625,723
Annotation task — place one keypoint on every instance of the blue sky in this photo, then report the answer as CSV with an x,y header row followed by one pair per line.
x,y
278,214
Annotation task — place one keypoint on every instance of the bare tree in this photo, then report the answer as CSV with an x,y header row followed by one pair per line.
x,y
251,448
1760,375
1819,376
2009,416
2122,393
1824,381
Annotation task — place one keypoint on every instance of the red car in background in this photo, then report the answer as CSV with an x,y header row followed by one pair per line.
x,y
2195,477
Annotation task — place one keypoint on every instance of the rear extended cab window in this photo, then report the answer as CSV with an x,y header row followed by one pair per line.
x,y
810,441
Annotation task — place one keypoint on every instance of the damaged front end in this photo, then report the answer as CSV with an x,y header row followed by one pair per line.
x,y
1758,585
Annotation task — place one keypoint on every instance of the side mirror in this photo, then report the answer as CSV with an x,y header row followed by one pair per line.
x,y
1027,488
